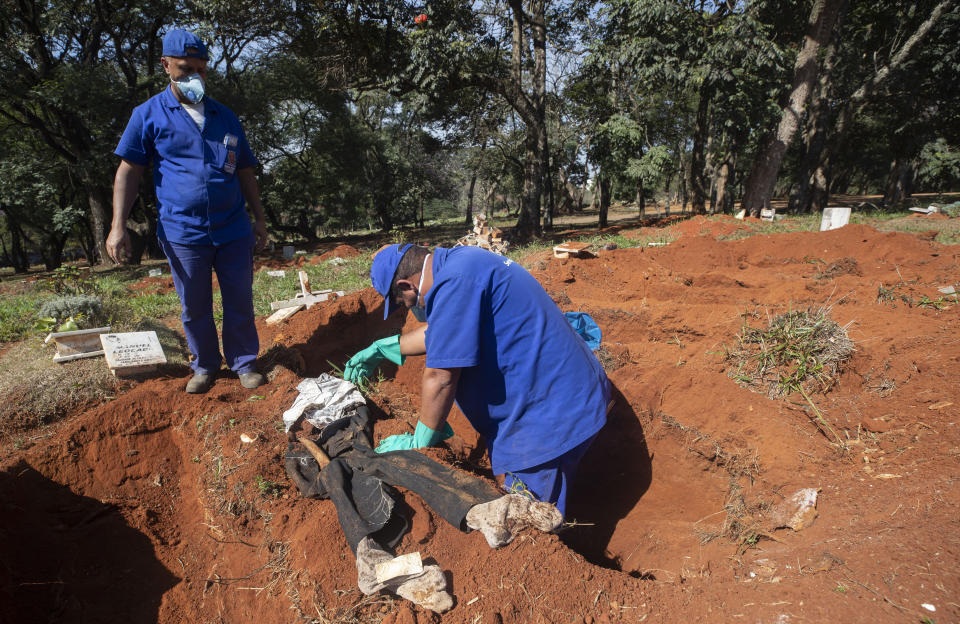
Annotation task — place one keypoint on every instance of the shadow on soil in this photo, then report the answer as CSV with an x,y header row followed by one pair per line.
x,y
70,558
613,475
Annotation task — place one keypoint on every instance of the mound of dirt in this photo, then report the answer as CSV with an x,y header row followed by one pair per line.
x,y
152,286
340,251
151,507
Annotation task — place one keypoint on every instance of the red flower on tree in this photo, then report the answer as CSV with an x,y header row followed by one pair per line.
x,y
421,19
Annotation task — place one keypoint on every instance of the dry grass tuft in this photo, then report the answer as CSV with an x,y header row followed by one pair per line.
x,y
799,351
843,266
38,391
609,361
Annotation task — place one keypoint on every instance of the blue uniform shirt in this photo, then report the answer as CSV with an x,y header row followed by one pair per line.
x,y
529,384
194,171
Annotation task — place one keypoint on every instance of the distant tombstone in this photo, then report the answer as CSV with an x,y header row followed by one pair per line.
x,y
834,218
767,214
288,252
155,272
132,352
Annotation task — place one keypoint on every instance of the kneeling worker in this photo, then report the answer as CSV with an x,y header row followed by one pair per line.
x,y
497,344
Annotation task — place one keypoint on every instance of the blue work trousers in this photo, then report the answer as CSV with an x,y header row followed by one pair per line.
x,y
192,268
550,480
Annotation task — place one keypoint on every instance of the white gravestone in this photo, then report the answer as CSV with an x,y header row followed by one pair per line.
x,y
132,352
834,218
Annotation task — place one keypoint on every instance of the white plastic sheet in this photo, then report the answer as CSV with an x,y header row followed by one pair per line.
x,y
323,400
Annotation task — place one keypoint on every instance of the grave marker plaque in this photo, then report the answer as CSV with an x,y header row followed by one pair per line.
x,y
132,352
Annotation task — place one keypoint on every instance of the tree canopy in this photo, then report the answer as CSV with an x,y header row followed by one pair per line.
x,y
386,114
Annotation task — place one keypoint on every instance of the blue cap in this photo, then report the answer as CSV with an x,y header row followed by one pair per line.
x,y
182,43
383,269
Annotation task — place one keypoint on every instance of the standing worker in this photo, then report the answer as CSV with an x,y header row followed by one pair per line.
x,y
203,176
497,344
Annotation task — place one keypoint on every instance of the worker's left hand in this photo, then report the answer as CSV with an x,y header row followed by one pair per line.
x,y
423,436
260,234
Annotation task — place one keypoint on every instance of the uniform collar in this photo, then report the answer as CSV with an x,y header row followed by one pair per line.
x,y
171,101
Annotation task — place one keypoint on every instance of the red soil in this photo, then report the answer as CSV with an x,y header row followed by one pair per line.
x,y
150,508
340,251
152,286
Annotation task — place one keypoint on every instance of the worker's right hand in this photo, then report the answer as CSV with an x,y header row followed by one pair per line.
x,y
118,245
422,437
365,362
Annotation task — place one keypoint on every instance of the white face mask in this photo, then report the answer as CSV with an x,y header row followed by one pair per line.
x,y
192,88
419,312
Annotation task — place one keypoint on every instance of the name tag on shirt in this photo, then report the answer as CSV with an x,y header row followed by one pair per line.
x,y
230,140
231,163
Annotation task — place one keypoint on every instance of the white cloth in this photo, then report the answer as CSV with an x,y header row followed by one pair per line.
x,y
323,400
195,111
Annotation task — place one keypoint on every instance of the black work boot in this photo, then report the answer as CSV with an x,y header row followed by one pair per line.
x,y
199,383
252,380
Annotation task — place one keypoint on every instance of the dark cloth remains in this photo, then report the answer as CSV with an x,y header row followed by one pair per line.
x,y
359,482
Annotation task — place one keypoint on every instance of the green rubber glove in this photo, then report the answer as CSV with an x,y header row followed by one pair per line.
x,y
421,437
363,363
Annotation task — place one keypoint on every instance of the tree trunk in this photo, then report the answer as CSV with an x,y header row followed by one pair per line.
x,y
604,188
473,182
18,256
723,178
538,36
815,133
100,220
899,182
641,201
682,191
697,156
490,200
528,220
52,251
763,176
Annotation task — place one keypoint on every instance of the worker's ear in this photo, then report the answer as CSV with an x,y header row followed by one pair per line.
x,y
405,285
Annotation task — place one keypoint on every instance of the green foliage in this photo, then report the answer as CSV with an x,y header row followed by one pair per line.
x,y
939,164
71,280
85,308
18,315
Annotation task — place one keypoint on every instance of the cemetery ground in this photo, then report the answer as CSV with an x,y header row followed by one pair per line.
x,y
749,361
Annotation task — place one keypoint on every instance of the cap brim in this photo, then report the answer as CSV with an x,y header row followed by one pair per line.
x,y
387,308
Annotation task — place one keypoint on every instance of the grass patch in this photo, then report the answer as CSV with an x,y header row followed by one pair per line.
x,y
351,275
18,315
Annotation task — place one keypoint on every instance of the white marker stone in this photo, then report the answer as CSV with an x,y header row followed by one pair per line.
x,y
834,218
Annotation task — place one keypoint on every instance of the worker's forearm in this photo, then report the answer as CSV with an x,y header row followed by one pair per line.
x,y
251,192
414,342
437,394
126,185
